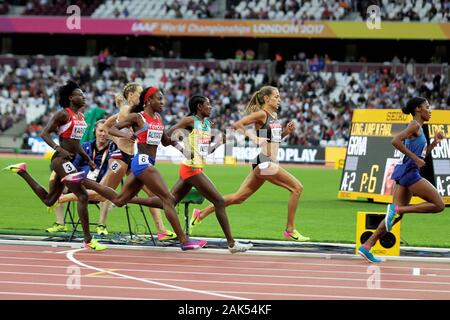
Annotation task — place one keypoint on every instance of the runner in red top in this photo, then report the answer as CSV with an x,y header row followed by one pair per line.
x,y
70,126
148,129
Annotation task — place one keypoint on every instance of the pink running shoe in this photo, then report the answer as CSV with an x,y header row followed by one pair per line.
x,y
73,177
193,245
16,168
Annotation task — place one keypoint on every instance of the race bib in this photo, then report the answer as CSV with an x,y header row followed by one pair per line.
x,y
154,137
69,167
78,132
424,151
276,134
203,149
93,175
115,166
143,159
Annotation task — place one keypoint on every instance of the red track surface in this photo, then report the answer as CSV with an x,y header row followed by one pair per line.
x,y
39,272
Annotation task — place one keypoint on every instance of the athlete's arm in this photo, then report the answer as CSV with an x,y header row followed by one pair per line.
x,y
253,118
437,138
110,122
407,133
57,120
171,136
133,119
186,122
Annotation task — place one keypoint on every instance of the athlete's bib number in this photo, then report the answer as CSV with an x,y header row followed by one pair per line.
x,y
203,149
424,151
78,132
143,159
154,137
115,166
93,175
276,134
69,167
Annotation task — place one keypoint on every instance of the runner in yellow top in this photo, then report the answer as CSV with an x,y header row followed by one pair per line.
x,y
191,170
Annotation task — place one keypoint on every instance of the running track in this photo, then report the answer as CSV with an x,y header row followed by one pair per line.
x,y
45,272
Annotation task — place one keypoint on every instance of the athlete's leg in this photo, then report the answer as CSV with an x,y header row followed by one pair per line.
x,y
425,190
209,191
250,185
117,169
156,212
154,181
179,190
129,190
402,196
55,186
79,191
282,178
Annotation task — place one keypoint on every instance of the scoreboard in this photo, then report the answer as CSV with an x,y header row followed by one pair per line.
x,y
371,158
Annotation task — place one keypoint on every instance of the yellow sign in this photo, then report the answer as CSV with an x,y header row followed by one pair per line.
x,y
367,223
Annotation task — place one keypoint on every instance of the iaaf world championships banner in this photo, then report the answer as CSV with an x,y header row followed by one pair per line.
x,y
225,28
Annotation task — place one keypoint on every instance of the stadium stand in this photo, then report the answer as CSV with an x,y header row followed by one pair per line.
x,y
171,9
321,102
390,10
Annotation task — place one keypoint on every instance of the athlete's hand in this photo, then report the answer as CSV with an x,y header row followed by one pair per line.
x,y
419,162
64,153
290,127
438,136
92,165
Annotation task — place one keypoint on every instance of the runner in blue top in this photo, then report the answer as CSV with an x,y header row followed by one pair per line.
x,y
408,181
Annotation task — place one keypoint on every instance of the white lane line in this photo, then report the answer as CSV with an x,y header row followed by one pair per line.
x,y
70,256
34,294
249,292
165,257
329,266
231,275
363,274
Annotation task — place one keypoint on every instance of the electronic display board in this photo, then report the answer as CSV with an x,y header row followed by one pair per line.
x,y
371,158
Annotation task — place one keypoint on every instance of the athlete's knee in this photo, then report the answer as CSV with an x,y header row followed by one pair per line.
x,y
219,202
168,199
119,202
83,197
439,207
297,189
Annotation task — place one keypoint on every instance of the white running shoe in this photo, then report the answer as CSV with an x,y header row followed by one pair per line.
x,y
240,247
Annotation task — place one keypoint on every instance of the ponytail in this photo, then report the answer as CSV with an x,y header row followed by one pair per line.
x,y
412,104
256,103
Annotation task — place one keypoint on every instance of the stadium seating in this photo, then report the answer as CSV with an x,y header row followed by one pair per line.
x,y
170,9
321,102
437,11
58,7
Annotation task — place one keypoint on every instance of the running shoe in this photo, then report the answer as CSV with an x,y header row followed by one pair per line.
x,y
57,228
73,177
195,218
16,168
368,255
167,235
240,247
390,216
94,245
193,245
101,230
295,235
